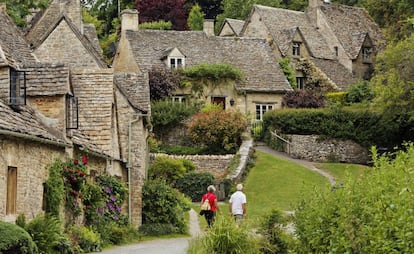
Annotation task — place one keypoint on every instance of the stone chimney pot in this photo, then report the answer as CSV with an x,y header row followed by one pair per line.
x,y
129,20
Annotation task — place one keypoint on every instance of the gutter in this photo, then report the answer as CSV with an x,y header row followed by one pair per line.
x,y
34,138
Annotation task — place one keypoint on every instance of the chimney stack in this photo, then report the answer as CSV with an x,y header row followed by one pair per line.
x,y
129,20
208,27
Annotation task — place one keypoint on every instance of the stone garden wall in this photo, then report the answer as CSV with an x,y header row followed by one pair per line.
x,y
314,148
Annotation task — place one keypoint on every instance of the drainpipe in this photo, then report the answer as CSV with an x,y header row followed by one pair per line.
x,y
133,119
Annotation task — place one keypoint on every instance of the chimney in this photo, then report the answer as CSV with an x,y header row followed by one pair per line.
x,y
313,11
73,10
129,20
208,27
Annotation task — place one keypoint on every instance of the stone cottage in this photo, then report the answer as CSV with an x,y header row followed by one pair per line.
x,y
332,43
263,84
82,106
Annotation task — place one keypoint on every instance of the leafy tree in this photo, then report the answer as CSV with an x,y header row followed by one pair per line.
x,y
393,82
219,130
359,92
162,83
19,11
157,25
167,10
196,18
211,8
304,98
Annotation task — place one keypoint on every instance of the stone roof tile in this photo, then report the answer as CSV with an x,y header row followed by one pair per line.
x,y
135,87
253,57
235,24
350,25
14,50
341,76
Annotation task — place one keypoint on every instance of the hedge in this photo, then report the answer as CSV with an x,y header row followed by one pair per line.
x,y
14,239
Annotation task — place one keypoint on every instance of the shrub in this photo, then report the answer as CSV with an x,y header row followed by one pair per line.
x,y
46,232
336,98
14,239
226,238
157,229
304,98
194,184
373,214
162,83
183,150
164,205
218,130
167,169
359,92
275,239
55,188
158,25
86,238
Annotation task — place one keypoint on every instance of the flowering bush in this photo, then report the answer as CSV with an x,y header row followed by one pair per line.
x,y
74,176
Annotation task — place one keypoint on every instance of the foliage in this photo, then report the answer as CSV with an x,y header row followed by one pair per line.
x,y
167,169
274,237
157,229
393,83
336,98
183,150
46,232
213,72
156,25
211,107
74,177
14,239
86,238
359,92
55,188
211,8
218,130
226,238
164,205
167,114
167,10
195,18
162,83
372,214
93,201
304,98
364,127
257,130
289,71
193,184
19,11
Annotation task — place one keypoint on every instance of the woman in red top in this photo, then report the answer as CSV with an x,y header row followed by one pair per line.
x,y
212,199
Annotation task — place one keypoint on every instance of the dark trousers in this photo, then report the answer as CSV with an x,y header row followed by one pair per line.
x,y
209,215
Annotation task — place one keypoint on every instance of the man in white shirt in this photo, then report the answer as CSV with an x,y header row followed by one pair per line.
x,y
237,204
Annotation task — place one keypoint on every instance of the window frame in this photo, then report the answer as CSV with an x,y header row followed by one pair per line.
x,y
300,82
176,65
17,89
296,48
72,112
263,108
366,53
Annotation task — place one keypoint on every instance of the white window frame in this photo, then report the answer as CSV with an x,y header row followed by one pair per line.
x,y
179,98
296,48
261,109
173,62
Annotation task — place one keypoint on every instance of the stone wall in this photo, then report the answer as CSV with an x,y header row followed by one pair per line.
x,y
31,160
313,148
217,165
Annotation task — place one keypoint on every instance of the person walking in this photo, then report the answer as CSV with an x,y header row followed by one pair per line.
x,y
212,199
237,204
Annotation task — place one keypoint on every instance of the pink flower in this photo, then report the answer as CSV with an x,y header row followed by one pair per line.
x,y
84,160
75,161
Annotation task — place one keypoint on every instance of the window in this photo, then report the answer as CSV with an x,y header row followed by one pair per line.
x,y
176,62
11,190
366,54
179,98
17,88
219,100
72,121
261,109
296,49
300,81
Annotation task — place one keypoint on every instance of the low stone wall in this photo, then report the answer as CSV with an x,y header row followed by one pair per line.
x,y
217,165
313,148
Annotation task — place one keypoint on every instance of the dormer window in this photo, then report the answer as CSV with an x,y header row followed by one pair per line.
x,y
72,120
176,62
296,49
17,88
366,54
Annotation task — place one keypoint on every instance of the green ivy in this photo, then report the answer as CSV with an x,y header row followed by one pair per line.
x,y
289,72
55,188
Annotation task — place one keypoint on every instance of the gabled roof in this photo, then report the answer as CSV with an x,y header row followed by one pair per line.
x,y
135,87
336,72
47,79
253,57
14,50
47,21
281,22
350,25
26,123
235,25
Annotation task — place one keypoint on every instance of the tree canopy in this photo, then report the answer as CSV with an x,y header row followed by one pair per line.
x,y
167,10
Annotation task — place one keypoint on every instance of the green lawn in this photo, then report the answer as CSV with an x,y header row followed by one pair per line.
x,y
341,170
277,183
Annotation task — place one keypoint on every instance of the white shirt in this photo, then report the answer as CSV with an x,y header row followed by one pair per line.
x,y
236,200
